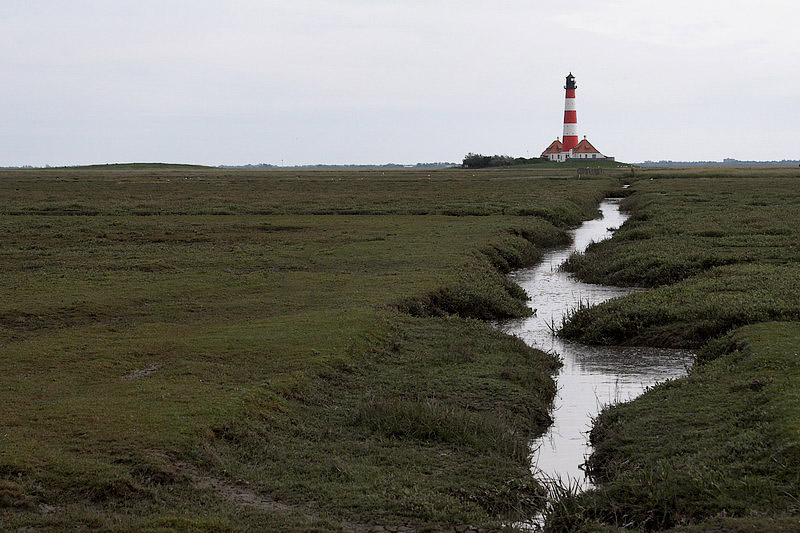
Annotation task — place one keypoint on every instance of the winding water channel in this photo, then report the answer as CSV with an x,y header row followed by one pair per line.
x,y
591,376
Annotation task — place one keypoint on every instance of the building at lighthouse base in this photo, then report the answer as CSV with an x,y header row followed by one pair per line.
x,y
582,151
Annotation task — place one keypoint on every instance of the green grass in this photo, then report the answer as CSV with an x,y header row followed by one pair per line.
x,y
691,312
451,192
718,449
223,350
610,166
725,249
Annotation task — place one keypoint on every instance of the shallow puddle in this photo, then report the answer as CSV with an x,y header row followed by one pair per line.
x,y
592,376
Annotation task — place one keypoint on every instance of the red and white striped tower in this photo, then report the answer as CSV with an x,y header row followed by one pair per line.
x,y
570,116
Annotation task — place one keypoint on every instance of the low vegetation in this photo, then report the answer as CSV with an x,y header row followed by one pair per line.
x,y
719,449
723,251
473,161
716,451
157,192
221,350
689,313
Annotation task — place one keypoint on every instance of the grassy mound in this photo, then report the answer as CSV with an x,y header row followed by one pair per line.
x,y
725,249
693,311
716,451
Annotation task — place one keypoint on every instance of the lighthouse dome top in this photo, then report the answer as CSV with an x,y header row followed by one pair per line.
x,y
570,82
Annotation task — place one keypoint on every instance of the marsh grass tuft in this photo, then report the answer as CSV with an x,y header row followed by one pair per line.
x,y
717,260
433,420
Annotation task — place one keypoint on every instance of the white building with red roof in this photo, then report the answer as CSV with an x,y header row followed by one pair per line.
x,y
583,150
555,148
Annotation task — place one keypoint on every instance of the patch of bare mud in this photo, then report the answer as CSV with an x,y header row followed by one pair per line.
x,y
142,373
243,496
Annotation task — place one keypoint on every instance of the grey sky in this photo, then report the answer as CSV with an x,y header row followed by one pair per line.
x,y
357,81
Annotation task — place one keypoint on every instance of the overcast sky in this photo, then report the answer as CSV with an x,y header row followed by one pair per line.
x,y
372,81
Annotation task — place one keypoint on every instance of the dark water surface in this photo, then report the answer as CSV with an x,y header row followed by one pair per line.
x,y
592,376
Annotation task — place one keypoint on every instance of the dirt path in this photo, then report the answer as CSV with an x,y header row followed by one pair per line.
x,y
243,496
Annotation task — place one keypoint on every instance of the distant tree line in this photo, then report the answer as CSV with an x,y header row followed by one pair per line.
x,y
485,161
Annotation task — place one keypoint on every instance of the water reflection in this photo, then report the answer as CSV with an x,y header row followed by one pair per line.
x,y
592,376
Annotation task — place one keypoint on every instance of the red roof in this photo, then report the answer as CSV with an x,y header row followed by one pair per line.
x,y
554,148
585,147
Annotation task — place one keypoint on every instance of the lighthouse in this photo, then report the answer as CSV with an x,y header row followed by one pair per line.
x,y
570,139
570,148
